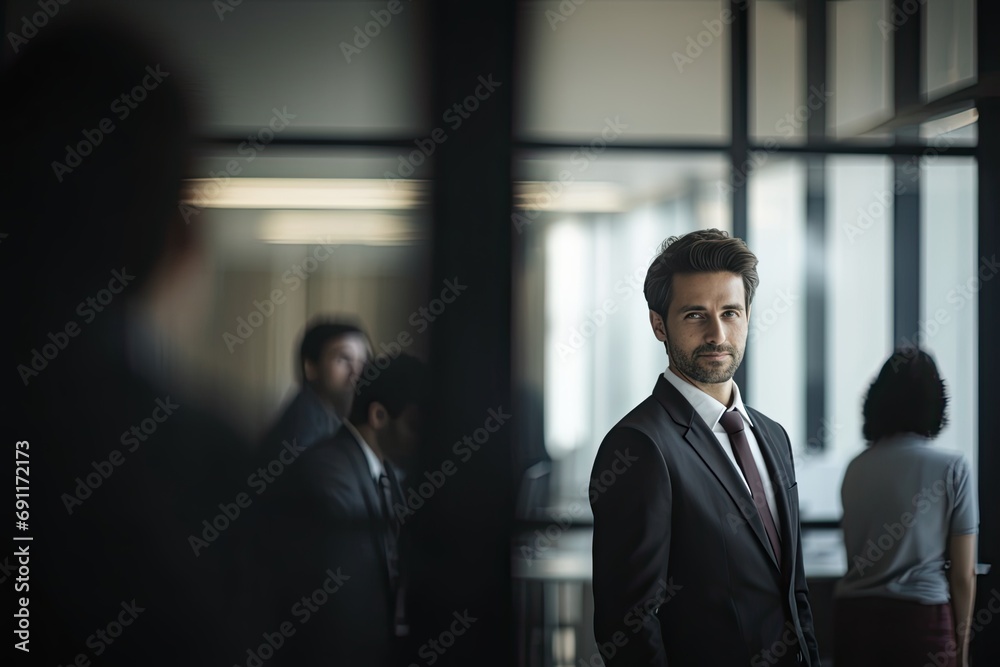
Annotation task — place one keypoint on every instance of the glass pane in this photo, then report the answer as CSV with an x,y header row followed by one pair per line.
x,y
949,46
776,342
583,344
860,66
952,276
334,67
660,67
859,310
777,72
296,235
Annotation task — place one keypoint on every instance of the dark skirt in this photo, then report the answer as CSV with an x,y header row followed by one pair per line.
x,y
882,632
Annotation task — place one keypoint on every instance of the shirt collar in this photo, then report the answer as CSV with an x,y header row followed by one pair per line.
x,y
708,408
375,466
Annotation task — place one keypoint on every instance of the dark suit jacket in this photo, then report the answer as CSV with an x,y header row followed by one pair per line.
x,y
331,520
683,572
307,419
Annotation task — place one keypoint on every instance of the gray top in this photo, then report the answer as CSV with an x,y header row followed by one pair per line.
x,y
903,499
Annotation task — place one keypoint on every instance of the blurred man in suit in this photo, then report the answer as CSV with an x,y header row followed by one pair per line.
x,y
697,554
332,356
125,467
343,511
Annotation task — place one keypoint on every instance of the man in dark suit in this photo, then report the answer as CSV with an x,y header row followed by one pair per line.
x,y
697,553
343,508
332,356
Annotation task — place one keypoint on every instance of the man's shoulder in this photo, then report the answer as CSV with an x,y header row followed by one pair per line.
x,y
338,449
649,410
304,404
760,419
647,420
304,418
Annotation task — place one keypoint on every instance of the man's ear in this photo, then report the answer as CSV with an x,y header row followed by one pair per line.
x,y
378,416
659,328
310,371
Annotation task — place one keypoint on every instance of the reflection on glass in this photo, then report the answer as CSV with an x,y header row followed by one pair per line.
x,y
949,46
859,311
579,295
328,67
951,279
775,344
660,68
957,129
297,234
777,71
860,61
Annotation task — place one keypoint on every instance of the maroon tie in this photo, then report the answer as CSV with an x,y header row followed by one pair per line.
x,y
732,421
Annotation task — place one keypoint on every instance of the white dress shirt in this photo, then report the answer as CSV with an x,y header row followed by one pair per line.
x,y
711,411
375,465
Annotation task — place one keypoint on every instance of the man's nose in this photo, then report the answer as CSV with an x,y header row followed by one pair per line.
x,y
715,333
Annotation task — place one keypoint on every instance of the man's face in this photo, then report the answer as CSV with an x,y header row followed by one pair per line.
x,y
400,439
706,327
341,363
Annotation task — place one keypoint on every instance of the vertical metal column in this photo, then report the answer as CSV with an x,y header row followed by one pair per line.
x,y
907,59
739,91
461,546
986,643
816,273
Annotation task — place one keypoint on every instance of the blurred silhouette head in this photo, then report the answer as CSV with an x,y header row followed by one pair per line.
x,y
332,357
908,396
99,138
390,404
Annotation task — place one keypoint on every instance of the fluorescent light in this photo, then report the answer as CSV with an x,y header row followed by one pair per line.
x,y
375,194
572,197
339,228
372,194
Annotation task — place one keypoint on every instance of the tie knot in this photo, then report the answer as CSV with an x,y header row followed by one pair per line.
x,y
732,421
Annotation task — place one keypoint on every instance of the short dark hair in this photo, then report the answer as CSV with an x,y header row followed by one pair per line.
x,y
908,396
319,333
396,383
704,251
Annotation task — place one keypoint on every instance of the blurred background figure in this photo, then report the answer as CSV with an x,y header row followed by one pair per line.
x,y
127,471
909,510
332,356
343,513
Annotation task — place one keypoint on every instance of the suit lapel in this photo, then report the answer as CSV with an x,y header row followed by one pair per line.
x,y
372,503
700,437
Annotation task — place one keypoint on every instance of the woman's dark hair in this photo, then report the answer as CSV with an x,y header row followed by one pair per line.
x,y
908,396
704,251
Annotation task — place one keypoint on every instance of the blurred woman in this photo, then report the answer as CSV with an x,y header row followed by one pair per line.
x,y
909,510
